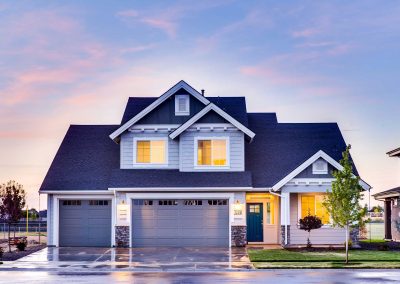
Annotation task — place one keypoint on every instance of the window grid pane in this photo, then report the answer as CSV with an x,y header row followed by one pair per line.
x,y
143,152
219,152
320,210
157,152
204,152
307,206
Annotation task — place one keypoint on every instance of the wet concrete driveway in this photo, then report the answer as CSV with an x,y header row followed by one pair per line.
x,y
133,259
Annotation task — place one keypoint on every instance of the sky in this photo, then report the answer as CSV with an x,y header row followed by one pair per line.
x,y
77,62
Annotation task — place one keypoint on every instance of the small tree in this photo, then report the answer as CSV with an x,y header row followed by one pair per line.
x,y
342,202
309,223
12,199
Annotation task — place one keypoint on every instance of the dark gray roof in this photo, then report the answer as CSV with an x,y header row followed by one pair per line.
x,y
279,148
89,160
175,178
234,106
390,192
84,160
394,153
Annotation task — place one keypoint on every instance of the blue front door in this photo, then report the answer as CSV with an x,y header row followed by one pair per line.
x,y
255,222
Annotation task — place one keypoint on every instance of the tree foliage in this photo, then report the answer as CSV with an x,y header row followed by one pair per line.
x,y
12,201
343,202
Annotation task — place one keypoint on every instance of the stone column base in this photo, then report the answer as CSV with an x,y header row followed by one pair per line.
x,y
122,236
239,236
283,235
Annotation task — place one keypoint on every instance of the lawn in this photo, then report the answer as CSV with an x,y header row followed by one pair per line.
x,y
324,259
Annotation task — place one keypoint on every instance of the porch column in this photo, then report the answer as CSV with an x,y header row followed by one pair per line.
x,y
388,219
285,218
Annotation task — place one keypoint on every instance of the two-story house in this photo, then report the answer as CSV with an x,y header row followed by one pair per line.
x,y
184,169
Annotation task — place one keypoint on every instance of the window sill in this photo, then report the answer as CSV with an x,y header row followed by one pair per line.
x,y
140,165
182,113
212,168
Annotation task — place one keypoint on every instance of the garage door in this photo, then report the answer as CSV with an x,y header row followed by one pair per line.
x,y
180,223
85,223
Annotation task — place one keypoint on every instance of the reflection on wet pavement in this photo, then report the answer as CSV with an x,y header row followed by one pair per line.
x,y
138,259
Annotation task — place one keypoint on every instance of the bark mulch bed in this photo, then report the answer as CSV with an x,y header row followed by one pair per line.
x,y
14,255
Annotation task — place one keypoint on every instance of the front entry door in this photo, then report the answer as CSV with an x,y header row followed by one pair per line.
x,y
255,222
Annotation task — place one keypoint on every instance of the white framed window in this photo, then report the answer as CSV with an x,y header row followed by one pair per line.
x,y
182,105
312,204
320,167
150,151
211,152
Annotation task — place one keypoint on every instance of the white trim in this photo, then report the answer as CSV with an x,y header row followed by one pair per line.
x,y
187,105
203,112
312,159
150,165
180,85
205,195
211,167
56,213
179,189
310,181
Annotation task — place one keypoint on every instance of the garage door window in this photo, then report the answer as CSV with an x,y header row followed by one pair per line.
x,y
193,202
98,202
217,202
143,202
72,202
167,202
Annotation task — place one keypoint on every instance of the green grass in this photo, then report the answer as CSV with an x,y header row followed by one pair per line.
x,y
376,241
325,265
322,256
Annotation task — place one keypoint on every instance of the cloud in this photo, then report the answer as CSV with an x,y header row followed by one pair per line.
x,y
306,33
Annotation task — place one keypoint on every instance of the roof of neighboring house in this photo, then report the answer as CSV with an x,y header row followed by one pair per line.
x,y
89,160
394,192
394,153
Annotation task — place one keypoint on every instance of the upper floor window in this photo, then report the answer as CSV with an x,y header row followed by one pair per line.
x,y
320,167
182,105
212,152
312,205
151,151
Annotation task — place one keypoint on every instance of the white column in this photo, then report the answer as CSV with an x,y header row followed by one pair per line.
x,y
285,208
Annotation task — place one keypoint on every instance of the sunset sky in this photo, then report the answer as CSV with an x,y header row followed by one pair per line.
x,y
77,62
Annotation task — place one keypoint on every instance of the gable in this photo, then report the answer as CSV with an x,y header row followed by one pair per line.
x,y
212,117
308,172
165,112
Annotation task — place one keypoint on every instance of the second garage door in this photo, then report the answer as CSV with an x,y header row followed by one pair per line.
x,y
85,223
180,223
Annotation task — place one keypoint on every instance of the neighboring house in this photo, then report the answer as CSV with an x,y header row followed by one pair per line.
x,y
391,199
188,170
43,215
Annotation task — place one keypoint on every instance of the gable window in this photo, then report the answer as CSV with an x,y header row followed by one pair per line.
x,y
151,151
212,152
312,204
320,167
182,105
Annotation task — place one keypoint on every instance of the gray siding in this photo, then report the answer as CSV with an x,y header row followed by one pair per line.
x,y
323,236
127,151
307,173
236,148
50,220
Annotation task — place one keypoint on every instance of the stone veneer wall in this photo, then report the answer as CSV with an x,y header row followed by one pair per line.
x,y
395,223
122,236
239,236
283,235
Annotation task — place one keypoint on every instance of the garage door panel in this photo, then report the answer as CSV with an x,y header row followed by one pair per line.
x,y
88,224
183,224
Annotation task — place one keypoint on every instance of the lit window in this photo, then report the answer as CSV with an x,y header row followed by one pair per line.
x,y
212,152
270,213
182,105
150,151
312,205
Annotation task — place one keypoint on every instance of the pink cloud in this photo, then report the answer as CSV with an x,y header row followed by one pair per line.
x,y
305,33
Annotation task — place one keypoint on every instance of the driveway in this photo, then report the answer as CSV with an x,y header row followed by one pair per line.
x,y
133,259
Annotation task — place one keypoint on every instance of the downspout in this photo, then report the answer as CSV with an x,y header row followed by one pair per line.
x,y
284,197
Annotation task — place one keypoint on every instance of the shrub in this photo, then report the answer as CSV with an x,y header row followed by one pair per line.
x,y
309,223
21,244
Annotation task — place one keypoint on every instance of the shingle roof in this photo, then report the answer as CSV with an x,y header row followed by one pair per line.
x,y
89,160
390,192
280,148
175,178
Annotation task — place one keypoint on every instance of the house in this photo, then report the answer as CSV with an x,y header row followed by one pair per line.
x,y
391,199
184,169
